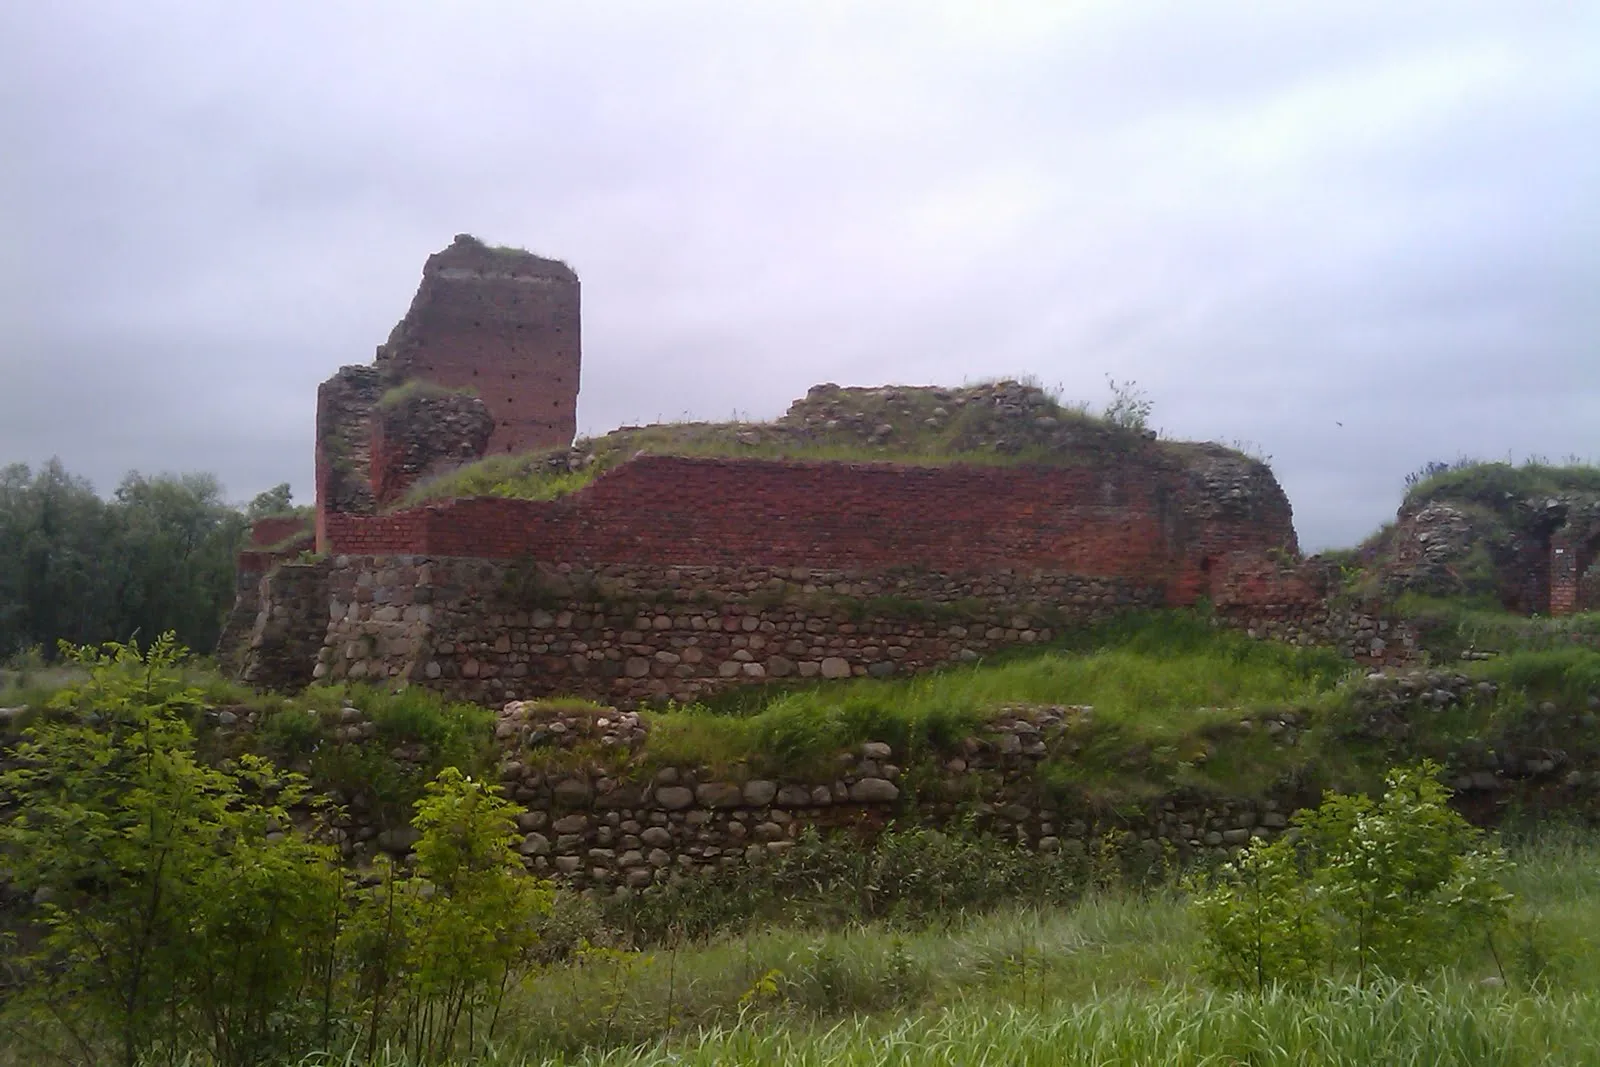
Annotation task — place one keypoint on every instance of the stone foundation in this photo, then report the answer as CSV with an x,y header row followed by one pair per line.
x,y
492,631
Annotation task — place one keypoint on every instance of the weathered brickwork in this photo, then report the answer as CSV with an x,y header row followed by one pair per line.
x,y
505,324
487,360
1133,517
1537,555
345,405
424,433
1294,601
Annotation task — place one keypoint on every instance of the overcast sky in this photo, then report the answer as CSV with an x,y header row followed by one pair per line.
x,y
1275,218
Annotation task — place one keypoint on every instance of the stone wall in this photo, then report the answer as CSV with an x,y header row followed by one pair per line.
x,y
1364,633
271,541
505,324
495,631
1537,555
345,404
425,433
289,627
647,827
1299,602
601,812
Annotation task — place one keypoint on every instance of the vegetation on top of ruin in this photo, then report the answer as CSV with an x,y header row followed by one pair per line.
x,y
418,389
516,251
518,476
1494,484
999,423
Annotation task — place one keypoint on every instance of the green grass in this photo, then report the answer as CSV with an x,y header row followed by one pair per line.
x,y
1493,484
524,476
1451,626
418,389
1160,688
1109,981
973,434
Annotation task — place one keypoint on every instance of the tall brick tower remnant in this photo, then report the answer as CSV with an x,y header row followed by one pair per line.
x,y
486,360
505,324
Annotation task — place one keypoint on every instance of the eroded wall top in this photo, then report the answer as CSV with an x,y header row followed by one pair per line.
x,y
504,323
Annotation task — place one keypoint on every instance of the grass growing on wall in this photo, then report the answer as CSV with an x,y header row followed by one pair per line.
x,y
1450,626
1159,685
418,389
972,435
523,476
1493,484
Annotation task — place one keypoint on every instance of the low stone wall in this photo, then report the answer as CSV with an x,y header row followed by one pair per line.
x,y
492,631
603,832
602,814
1365,635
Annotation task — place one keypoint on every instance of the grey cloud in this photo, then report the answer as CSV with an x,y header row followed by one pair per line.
x,y
1273,219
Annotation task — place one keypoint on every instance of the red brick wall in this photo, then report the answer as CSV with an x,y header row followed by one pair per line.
x,y
1126,520
506,325
1254,579
265,533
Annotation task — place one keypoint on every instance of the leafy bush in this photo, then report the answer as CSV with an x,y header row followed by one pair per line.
x,y
439,950
171,903
1388,887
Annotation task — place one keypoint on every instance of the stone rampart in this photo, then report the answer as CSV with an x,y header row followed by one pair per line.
x,y
604,811
493,631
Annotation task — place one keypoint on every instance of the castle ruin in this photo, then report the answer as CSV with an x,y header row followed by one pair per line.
x,y
672,576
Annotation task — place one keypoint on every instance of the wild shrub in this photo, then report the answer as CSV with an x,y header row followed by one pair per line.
x,y
174,909
1394,886
435,952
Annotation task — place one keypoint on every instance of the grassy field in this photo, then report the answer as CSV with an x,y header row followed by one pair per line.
x,y
1110,981
1110,977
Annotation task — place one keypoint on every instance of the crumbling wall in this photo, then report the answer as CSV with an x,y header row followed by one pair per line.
x,y
626,822
422,434
492,631
1273,597
289,627
1575,562
1535,554
1139,521
505,324
345,405
271,541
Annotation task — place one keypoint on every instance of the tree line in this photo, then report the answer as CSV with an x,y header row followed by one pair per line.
x,y
157,556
